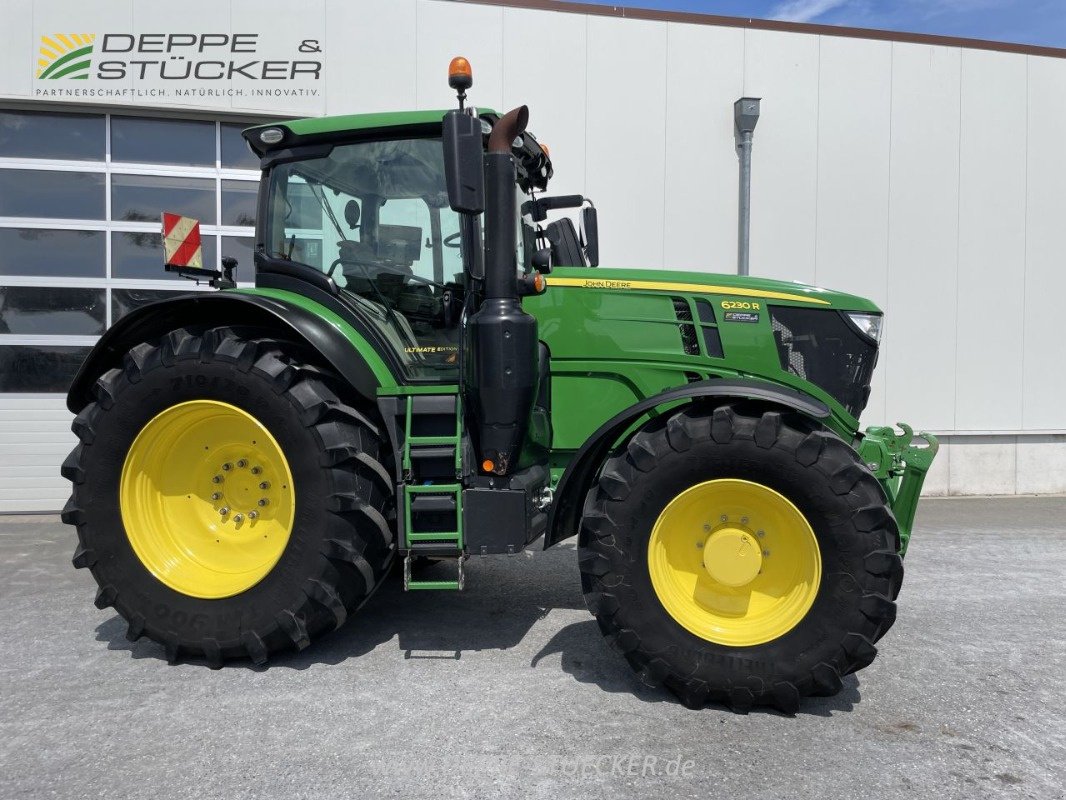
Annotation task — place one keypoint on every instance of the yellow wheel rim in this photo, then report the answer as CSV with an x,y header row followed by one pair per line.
x,y
734,562
207,499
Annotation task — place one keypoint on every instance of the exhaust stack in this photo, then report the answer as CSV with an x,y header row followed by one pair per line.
x,y
501,378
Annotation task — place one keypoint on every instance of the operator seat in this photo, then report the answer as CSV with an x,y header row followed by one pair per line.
x,y
359,252
565,246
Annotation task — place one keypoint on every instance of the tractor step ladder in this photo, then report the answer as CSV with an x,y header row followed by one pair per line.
x,y
432,493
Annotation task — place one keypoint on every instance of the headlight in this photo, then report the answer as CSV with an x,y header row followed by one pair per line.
x,y
868,324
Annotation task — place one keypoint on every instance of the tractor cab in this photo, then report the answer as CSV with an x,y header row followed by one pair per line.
x,y
372,216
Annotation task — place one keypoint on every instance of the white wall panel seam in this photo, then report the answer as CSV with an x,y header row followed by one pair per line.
x,y
418,49
744,65
325,109
666,139
1025,239
958,254
817,153
884,356
31,43
586,163
503,64
585,116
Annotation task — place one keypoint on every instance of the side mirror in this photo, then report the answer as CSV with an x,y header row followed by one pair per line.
x,y
464,162
590,232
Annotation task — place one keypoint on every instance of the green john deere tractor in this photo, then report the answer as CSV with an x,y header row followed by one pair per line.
x,y
429,368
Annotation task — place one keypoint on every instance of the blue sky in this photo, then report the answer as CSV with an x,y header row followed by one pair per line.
x,y
1040,22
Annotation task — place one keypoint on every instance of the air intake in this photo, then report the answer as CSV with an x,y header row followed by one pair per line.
x,y
683,312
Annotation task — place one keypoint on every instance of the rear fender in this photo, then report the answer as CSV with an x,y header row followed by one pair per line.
x,y
565,515
224,308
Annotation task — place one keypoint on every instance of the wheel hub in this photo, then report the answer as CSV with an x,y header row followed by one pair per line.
x,y
734,562
207,499
732,556
240,490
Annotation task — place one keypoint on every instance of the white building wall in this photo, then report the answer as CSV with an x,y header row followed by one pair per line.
x,y
929,178
923,241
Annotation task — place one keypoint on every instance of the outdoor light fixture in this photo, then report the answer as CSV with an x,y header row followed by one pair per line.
x,y
745,116
272,136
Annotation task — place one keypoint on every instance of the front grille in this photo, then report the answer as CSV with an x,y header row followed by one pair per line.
x,y
822,346
683,312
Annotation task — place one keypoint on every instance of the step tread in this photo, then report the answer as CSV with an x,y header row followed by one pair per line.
x,y
416,441
433,488
432,451
435,549
415,585
432,536
437,404
423,501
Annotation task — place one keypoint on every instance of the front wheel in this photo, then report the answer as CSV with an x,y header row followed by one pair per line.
x,y
227,503
740,555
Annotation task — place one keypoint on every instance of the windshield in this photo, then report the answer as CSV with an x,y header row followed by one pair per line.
x,y
375,217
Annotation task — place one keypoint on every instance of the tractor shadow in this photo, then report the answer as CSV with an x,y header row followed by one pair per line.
x,y
504,598
585,657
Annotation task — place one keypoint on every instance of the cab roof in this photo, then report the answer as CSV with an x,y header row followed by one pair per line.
x,y
315,127
534,167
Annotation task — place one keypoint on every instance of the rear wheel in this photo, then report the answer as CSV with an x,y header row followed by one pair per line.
x,y
740,555
228,504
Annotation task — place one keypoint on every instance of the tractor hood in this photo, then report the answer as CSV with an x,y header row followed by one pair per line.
x,y
738,286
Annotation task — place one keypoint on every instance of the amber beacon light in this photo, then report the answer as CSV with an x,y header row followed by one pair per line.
x,y
460,77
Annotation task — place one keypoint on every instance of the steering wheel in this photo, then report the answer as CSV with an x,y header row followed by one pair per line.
x,y
453,240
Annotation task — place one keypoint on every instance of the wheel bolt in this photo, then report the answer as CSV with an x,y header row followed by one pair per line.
x,y
227,467
263,502
264,485
253,515
238,518
760,534
224,510
256,470
216,496
723,518
242,464
743,520
766,552
706,526
217,479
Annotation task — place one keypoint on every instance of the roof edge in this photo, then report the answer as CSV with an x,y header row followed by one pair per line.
x,y
693,18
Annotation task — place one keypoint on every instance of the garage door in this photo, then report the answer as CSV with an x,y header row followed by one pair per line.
x,y
80,198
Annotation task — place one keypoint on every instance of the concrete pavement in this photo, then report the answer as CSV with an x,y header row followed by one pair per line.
x,y
508,690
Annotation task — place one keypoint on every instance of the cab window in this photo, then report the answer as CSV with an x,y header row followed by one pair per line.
x,y
374,216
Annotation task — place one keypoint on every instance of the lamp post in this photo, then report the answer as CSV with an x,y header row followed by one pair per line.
x,y
745,115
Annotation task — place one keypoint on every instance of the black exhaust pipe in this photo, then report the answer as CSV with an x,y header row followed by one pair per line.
x,y
502,368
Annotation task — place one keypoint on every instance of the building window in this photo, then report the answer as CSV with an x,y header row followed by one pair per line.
x,y
39,367
162,141
58,137
140,255
80,203
48,310
50,194
49,253
139,198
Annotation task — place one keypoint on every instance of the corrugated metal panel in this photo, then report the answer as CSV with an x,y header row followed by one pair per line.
x,y
35,437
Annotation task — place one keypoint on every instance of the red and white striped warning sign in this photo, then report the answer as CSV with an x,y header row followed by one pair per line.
x,y
181,241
